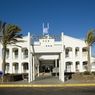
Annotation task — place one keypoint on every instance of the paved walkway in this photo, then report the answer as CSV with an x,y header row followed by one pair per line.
x,y
47,81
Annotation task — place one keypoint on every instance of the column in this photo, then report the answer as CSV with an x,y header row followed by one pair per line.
x,y
62,67
73,66
11,63
38,69
81,61
62,61
90,65
30,78
56,66
20,67
33,69
73,69
19,58
59,69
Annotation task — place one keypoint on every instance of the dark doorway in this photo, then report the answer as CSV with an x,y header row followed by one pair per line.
x,y
46,66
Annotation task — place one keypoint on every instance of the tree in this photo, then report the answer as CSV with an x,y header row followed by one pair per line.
x,y
90,39
10,35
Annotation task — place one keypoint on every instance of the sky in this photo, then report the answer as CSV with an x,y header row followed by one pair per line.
x,y
73,17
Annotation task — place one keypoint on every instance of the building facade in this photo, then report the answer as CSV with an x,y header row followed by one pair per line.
x,y
47,55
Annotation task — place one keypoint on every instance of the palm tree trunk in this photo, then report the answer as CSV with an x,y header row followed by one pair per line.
x,y
89,64
4,58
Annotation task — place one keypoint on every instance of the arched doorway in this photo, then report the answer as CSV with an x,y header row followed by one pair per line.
x,y
15,67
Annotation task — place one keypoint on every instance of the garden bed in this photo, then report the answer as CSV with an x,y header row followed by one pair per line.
x,y
84,76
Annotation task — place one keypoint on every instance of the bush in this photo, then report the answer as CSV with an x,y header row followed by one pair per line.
x,y
87,73
15,77
93,73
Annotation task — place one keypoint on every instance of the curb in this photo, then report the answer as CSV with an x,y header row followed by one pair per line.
x,y
45,85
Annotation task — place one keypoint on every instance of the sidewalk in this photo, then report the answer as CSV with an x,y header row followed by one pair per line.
x,y
48,82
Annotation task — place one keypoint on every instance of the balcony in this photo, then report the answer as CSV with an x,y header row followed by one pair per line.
x,y
68,66
68,52
15,68
25,67
24,53
15,53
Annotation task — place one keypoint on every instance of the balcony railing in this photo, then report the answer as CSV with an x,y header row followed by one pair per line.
x,y
15,56
25,56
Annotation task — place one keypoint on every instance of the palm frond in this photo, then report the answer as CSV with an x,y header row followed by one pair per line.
x,y
90,38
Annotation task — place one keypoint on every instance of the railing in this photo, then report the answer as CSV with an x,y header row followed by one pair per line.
x,y
68,70
25,56
15,57
25,71
16,71
55,37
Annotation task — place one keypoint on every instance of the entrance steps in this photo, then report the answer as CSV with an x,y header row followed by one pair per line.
x,y
47,78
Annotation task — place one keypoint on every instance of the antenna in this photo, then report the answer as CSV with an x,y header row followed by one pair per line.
x,y
45,29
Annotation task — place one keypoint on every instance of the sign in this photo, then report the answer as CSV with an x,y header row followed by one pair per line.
x,y
1,73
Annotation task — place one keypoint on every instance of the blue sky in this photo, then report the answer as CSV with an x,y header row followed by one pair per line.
x,y
73,17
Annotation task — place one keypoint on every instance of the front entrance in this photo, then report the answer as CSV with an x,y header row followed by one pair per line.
x,y
48,68
48,71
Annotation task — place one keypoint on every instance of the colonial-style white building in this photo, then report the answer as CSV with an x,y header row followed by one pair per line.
x,y
46,54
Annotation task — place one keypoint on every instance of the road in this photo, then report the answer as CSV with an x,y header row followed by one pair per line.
x,y
48,91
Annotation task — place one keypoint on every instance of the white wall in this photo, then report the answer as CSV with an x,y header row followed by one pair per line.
x,y
48,46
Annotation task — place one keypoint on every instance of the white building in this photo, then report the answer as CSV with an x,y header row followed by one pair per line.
x,y
47,54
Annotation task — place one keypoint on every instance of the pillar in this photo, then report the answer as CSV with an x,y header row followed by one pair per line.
x,y
11,63
30,78
20,58
56,66
81,61
61,67
38,69
33,69
62,59
73,69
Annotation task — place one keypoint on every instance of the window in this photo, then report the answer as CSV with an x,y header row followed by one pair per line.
x,y
15,53
25,53
67,53
25,66
76,51
77,66
84,49
16,66
7,67
7,53
48,45
85,65
68,66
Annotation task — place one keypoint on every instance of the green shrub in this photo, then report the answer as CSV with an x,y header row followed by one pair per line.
x,y
93,73
87,73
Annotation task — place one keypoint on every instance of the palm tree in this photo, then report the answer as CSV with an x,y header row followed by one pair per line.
x,y
10,33
90,39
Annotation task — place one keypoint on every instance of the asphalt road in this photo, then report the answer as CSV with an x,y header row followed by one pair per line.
x,y
48,91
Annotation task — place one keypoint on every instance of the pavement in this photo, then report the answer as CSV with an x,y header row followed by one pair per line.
x,y
48,81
